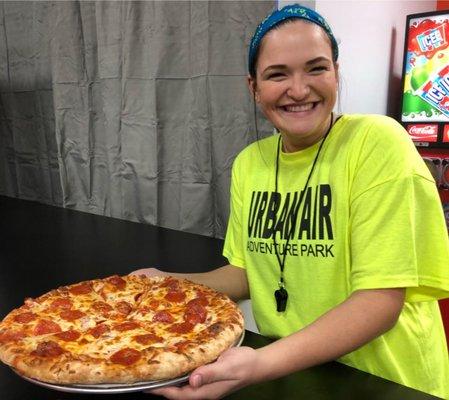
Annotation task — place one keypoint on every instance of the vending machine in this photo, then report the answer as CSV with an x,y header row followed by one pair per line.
x,y
425,96
425,101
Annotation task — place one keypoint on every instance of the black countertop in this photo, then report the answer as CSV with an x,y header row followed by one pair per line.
x,y
43,247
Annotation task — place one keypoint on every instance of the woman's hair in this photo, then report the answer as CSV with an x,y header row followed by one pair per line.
x,y
280,17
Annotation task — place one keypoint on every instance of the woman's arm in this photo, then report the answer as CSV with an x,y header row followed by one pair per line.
x,y
228,279
365,315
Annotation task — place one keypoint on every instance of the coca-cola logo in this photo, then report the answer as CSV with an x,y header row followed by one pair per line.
x,y
423,132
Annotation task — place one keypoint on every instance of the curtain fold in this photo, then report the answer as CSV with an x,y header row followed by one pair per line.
x,y
134,110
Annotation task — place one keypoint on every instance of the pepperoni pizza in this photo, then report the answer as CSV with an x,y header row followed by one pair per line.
x,y
119,330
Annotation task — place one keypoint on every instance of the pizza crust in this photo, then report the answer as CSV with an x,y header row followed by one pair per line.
x,y
159,365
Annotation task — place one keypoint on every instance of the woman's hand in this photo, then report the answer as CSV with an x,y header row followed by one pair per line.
x,y
234,369
149,272
228,279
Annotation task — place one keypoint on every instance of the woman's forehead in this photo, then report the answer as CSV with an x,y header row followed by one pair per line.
x,y
301,37
296,29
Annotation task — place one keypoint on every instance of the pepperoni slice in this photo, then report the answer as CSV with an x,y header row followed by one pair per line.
x,y
71,315
147,339
126,326
193,318
99,330
68,336
61,303
195,313
102,307
45,326
171,283
201,299
196,304
12,336
48,349
126,356
183,327
117,281
123,307
163,316
25,317
81,288
175,297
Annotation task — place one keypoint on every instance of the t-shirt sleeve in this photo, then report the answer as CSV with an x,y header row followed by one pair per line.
x,y
398,237
233,246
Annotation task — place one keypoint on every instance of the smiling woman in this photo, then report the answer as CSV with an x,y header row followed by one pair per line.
x,y
336,230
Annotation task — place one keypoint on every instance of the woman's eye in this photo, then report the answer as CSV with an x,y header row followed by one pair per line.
x,y
275,75
319,68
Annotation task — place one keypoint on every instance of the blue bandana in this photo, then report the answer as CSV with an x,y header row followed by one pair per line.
x,y
277,16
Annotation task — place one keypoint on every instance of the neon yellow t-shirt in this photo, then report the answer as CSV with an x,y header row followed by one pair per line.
x,y
370,218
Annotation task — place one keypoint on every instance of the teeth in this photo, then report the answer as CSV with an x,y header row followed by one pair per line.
x,y
297,108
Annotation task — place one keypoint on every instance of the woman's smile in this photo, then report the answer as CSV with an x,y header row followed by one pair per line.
x,y
298,108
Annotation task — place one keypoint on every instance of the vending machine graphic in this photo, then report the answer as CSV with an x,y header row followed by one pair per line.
x,y
425,99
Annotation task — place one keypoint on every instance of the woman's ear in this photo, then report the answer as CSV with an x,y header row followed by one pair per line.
x,y
252,85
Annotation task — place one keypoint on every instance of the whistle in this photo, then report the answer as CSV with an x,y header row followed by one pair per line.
x,y
281,297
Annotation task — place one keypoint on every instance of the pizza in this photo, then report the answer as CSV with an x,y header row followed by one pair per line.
x,y
119,329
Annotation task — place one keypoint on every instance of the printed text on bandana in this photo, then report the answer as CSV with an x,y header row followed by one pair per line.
x,y
305,219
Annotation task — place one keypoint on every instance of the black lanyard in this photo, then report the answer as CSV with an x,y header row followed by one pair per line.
x,y
281,294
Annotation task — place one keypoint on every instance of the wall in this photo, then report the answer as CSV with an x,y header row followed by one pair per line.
x,y
371,37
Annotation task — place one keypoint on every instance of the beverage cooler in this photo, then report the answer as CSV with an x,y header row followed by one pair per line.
x,y
425,97
425,101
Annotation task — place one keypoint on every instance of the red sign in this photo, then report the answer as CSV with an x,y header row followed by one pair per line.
x,y
423,132
446,133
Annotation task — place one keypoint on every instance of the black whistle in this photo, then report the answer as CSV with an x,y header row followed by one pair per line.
x,y
281,297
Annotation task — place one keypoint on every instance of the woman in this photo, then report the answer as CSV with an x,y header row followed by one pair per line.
x,y
336,230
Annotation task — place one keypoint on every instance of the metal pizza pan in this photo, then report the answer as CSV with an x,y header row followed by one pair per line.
x,y
110,388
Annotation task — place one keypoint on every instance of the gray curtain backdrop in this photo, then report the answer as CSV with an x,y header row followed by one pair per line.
x,y
134,110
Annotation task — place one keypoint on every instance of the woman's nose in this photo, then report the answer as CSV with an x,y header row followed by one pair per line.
x,y
299,88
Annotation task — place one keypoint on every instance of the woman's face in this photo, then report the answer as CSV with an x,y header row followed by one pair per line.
x,y
296,82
